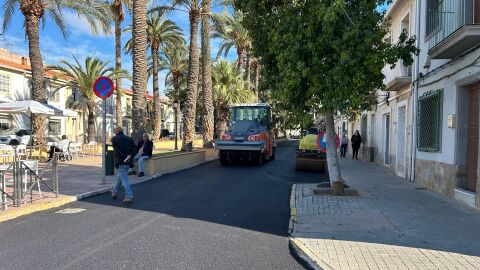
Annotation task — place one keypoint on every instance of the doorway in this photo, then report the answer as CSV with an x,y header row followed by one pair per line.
x,y
473,126
386,138
401,140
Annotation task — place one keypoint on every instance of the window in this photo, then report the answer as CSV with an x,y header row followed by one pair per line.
x,y
433,16
54,95
430,121
54,127
5,123
4,84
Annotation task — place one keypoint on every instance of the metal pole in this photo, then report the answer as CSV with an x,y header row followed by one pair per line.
x,y
55,173
104,140
176,126
4,190
16,183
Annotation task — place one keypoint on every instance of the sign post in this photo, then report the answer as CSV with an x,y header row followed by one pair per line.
x,y
103,88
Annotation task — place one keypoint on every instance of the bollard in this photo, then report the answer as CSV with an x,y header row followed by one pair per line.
x,y
55,174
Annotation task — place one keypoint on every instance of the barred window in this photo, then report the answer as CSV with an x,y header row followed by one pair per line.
x,y
4,84
430,121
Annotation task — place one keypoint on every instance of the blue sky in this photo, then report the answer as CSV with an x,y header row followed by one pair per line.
x,y
82,43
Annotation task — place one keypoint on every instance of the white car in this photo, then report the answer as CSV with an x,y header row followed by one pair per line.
x,y
22,135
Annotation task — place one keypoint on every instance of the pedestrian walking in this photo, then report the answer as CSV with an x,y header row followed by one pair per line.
x,y
124,149
144,152
356,142
343,146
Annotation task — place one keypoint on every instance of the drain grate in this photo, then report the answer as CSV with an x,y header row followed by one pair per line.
x,y
70,211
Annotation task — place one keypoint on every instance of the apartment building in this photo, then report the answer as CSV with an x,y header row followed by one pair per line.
x,y
447,155
426,124
386,130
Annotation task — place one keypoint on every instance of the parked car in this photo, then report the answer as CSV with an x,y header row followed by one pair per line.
x,y
171,136
22,135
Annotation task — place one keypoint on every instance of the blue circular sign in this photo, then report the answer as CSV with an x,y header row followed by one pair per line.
x,y
103,87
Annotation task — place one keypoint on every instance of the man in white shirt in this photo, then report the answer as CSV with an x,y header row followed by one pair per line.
x,y
63,144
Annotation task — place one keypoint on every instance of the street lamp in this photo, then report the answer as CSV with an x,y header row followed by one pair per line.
x,y
175,109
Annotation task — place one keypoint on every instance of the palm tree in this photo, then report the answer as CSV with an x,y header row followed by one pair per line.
x,y
118,17
34,11
160,33
256,66
228,88
175,60
83,77
229,28
195,10
140,74
208,111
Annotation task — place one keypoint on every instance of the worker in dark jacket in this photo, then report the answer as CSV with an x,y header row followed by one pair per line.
x,y
144,152
356,142
124,149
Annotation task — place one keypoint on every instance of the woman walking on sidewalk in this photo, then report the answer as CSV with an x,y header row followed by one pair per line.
x,y
344,146
356,142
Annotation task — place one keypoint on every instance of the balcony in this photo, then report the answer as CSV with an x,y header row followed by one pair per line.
x,y
453,27
398,77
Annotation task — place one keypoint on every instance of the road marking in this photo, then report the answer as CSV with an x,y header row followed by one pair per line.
x,y
70,211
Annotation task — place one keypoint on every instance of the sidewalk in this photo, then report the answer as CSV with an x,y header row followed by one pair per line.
x,y
78,179
392,224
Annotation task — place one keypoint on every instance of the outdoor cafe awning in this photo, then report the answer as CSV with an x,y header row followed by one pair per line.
x,y
30,107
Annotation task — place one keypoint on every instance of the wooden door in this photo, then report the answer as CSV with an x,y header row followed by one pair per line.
x,y
473,126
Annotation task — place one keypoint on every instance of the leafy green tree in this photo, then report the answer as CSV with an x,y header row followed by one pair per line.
x,y
228,88
324,55
160,33
96,12
83,77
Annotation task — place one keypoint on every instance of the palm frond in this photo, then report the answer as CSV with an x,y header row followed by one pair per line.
x,y
8,10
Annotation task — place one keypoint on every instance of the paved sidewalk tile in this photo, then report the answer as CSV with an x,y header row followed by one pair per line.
x,y
391,225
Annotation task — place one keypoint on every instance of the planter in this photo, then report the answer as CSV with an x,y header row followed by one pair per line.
x,y
173,162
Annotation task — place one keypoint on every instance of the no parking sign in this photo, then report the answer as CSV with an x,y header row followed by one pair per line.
x,y
103,87
322,141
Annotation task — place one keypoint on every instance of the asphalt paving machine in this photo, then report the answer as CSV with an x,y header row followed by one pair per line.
x,y
249,136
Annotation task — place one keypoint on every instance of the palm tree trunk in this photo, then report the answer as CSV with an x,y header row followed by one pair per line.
x,y
157,110
334,173
207,77
192,81
247,72
240,60
118,66
33,11
139,58
222,119
176,89
257,78
91,122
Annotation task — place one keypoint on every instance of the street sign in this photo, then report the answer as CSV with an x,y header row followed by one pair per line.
x,y
322,141
103,87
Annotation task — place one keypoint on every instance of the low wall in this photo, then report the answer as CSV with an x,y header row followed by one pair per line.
x,y
173,162
439,177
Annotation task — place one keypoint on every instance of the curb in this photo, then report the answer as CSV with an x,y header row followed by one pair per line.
x,y
293,209
305,254
301,251
62,200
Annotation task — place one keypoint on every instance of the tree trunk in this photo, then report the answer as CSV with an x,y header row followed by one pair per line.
x,y
33,11
222,119
257,78
118,66
240,60
247,72
207,77
176,89
139,57
192,81
157,110
91,122
332,158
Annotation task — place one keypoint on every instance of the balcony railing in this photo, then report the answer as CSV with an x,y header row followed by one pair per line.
x,y
444,22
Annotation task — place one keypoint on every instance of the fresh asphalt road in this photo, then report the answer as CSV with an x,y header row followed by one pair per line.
x,y
208,217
